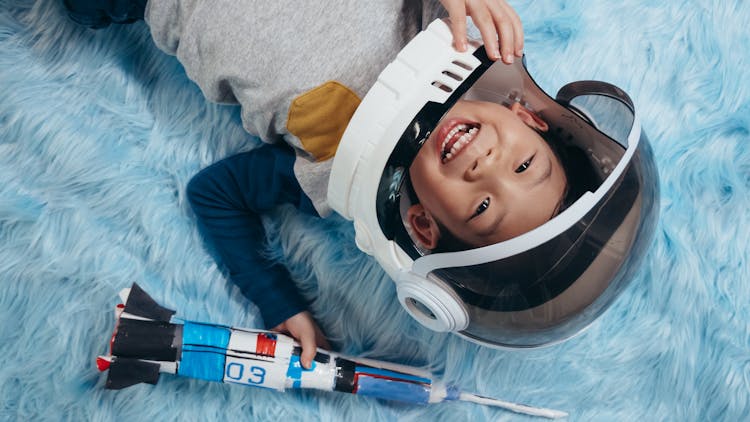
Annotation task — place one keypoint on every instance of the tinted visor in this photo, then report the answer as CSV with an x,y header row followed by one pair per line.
x,y
552,291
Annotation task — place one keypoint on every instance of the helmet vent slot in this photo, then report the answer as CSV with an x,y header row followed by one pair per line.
x,y
462,65
452,75
442,86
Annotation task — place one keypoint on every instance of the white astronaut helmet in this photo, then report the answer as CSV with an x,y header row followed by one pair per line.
x,y
534,289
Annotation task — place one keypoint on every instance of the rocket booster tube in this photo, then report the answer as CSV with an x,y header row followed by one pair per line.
x,y
148,341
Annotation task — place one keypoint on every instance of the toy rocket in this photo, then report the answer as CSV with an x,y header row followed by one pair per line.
x,y
147,340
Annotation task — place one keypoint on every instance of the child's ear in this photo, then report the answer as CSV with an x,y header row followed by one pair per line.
x,y
529,117
424,226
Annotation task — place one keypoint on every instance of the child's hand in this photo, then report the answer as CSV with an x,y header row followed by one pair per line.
x,y
493,18
304,329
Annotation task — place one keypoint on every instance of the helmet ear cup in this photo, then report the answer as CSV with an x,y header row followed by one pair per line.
x,y
432,303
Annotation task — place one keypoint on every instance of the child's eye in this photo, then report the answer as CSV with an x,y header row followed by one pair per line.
x,y
522,168
482,207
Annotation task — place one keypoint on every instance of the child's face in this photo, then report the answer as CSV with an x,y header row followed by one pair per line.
x,y
501,179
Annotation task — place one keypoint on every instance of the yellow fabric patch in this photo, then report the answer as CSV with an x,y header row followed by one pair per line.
x,y
319,117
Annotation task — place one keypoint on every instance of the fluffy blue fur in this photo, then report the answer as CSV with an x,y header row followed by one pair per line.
x,y
100,132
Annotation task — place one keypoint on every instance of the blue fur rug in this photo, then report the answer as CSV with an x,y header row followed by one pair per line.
x,y
100,132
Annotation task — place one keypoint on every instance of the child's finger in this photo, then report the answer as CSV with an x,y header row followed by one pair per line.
x,y
507,44
503,25
517,29
307,341
457,14
486,24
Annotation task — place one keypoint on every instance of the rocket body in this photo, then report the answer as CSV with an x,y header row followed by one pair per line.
x,y
148,341
271,360
143,347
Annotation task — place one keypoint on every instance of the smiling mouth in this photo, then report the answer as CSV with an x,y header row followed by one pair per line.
x,y
460,135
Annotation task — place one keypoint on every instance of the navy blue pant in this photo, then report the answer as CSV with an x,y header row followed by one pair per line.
x,y
228,199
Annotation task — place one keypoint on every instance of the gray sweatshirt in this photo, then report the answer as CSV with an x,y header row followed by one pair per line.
x,y
297,68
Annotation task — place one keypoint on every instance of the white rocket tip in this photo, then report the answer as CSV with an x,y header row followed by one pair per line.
x,y
124,293
518,408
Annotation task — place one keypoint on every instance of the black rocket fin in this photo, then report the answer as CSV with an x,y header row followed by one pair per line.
x,y
124,372
140,304
151,340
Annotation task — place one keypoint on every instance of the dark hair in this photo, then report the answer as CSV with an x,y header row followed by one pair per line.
x,y
579,173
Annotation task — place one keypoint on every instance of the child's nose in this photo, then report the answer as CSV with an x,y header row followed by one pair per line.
x,y
481,165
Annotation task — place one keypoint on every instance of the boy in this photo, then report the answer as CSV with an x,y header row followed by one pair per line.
x,y
299,76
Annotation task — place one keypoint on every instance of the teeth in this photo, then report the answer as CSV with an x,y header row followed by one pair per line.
x,y
453,132
462,141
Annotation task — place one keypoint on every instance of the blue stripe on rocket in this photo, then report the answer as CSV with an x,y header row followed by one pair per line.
x,y
203,351
390,385
295,370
